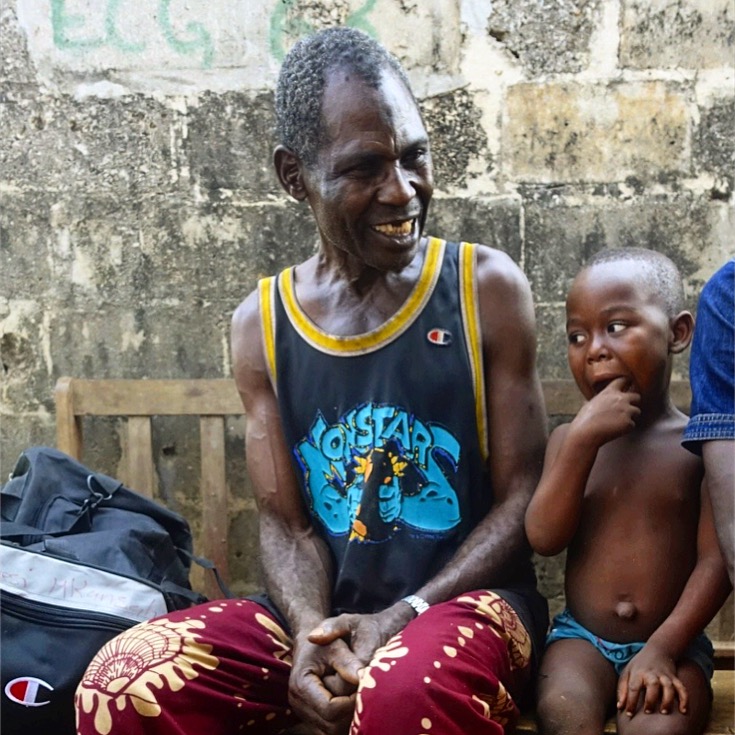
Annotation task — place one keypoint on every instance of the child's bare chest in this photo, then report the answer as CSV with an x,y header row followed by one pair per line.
x,y
654,477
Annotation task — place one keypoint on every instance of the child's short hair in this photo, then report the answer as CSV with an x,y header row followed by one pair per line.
x,y
659,271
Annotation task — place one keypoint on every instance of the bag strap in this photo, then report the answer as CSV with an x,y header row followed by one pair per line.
x,y
171,588
101,488
207,564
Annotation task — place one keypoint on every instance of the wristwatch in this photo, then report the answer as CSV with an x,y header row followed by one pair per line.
x,y
417,603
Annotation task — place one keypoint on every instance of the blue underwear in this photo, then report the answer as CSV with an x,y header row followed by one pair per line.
x,y
619,654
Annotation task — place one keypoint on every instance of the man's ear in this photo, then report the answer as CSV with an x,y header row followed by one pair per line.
x,y
289,171
682,331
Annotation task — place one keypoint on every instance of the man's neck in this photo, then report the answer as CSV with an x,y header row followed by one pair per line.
x,y
353,298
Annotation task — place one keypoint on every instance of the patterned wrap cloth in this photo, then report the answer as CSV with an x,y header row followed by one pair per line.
x,y
462,666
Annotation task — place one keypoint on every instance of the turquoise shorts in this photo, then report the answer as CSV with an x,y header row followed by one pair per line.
x,y
564,626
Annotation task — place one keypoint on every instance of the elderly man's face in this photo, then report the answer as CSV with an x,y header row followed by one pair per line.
x,y
372,182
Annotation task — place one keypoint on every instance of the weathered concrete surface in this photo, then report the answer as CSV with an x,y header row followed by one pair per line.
x,y
138,205
492,221
570,132
694,34
547,36
714,146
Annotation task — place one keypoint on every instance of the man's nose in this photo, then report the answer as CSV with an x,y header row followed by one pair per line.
x,y
397,188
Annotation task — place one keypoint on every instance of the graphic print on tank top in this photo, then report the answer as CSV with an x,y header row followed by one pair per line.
x,y
387,428
377,469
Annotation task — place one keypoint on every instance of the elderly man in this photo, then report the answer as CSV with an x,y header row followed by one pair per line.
x,y
395,435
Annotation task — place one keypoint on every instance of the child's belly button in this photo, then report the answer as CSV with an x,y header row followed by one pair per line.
x,y
626,610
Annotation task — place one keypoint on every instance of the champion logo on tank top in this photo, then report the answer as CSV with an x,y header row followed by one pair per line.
x,y
439,337
28,691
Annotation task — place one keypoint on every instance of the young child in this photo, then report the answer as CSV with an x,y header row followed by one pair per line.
x,y
644,573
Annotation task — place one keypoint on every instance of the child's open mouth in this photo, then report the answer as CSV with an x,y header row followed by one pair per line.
x,y
600,385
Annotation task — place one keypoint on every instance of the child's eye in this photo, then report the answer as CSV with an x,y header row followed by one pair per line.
x,y
614,327
575,338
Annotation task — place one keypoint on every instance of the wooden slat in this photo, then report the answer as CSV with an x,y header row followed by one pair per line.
x,y
722,719
724,654
144,397
68,425
215,524
681,394
139,472
219,397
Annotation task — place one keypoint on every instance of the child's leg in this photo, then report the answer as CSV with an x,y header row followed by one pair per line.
x,y
576,689
675,723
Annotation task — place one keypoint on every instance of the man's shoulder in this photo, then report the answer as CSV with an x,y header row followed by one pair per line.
x,y
247,310
500,279
498,267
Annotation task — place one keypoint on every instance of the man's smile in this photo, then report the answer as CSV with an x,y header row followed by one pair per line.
x,y
396,229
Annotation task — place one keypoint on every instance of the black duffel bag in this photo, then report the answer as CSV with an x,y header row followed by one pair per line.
x,y
82,558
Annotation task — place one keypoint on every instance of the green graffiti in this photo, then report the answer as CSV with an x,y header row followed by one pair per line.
x,y
113,36
285,25
62,23
65,23
201,43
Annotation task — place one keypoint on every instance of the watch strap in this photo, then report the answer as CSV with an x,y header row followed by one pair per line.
x,y
417,603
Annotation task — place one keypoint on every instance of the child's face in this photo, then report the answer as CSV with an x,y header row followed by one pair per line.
x,y
617,327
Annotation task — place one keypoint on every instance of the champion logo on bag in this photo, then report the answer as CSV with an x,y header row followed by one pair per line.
x,y
25,690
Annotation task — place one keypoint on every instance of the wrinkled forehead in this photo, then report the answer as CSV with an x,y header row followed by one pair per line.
x,y
349,98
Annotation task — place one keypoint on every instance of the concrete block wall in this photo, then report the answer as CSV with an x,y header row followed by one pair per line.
x,y
138,206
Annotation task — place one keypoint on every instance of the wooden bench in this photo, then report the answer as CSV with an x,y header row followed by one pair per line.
x,y
212,401
138,401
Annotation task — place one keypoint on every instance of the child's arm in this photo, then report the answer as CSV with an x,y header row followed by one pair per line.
x,y
653,670
554,511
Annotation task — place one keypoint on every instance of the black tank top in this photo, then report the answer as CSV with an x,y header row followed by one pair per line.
x,y
388,429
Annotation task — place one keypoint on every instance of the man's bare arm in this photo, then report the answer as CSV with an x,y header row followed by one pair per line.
x,y
719,474
517,424
295,561
517,431
290,550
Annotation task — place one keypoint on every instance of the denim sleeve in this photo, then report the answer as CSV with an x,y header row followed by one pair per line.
x,y
712,364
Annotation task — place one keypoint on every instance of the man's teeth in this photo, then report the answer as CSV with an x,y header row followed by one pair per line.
x,y
393,230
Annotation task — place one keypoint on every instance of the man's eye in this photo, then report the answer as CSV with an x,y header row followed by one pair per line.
x,y
416,157
363,169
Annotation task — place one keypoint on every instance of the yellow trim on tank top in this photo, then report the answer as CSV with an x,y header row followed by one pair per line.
x,y
350,345
268,322
473,337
